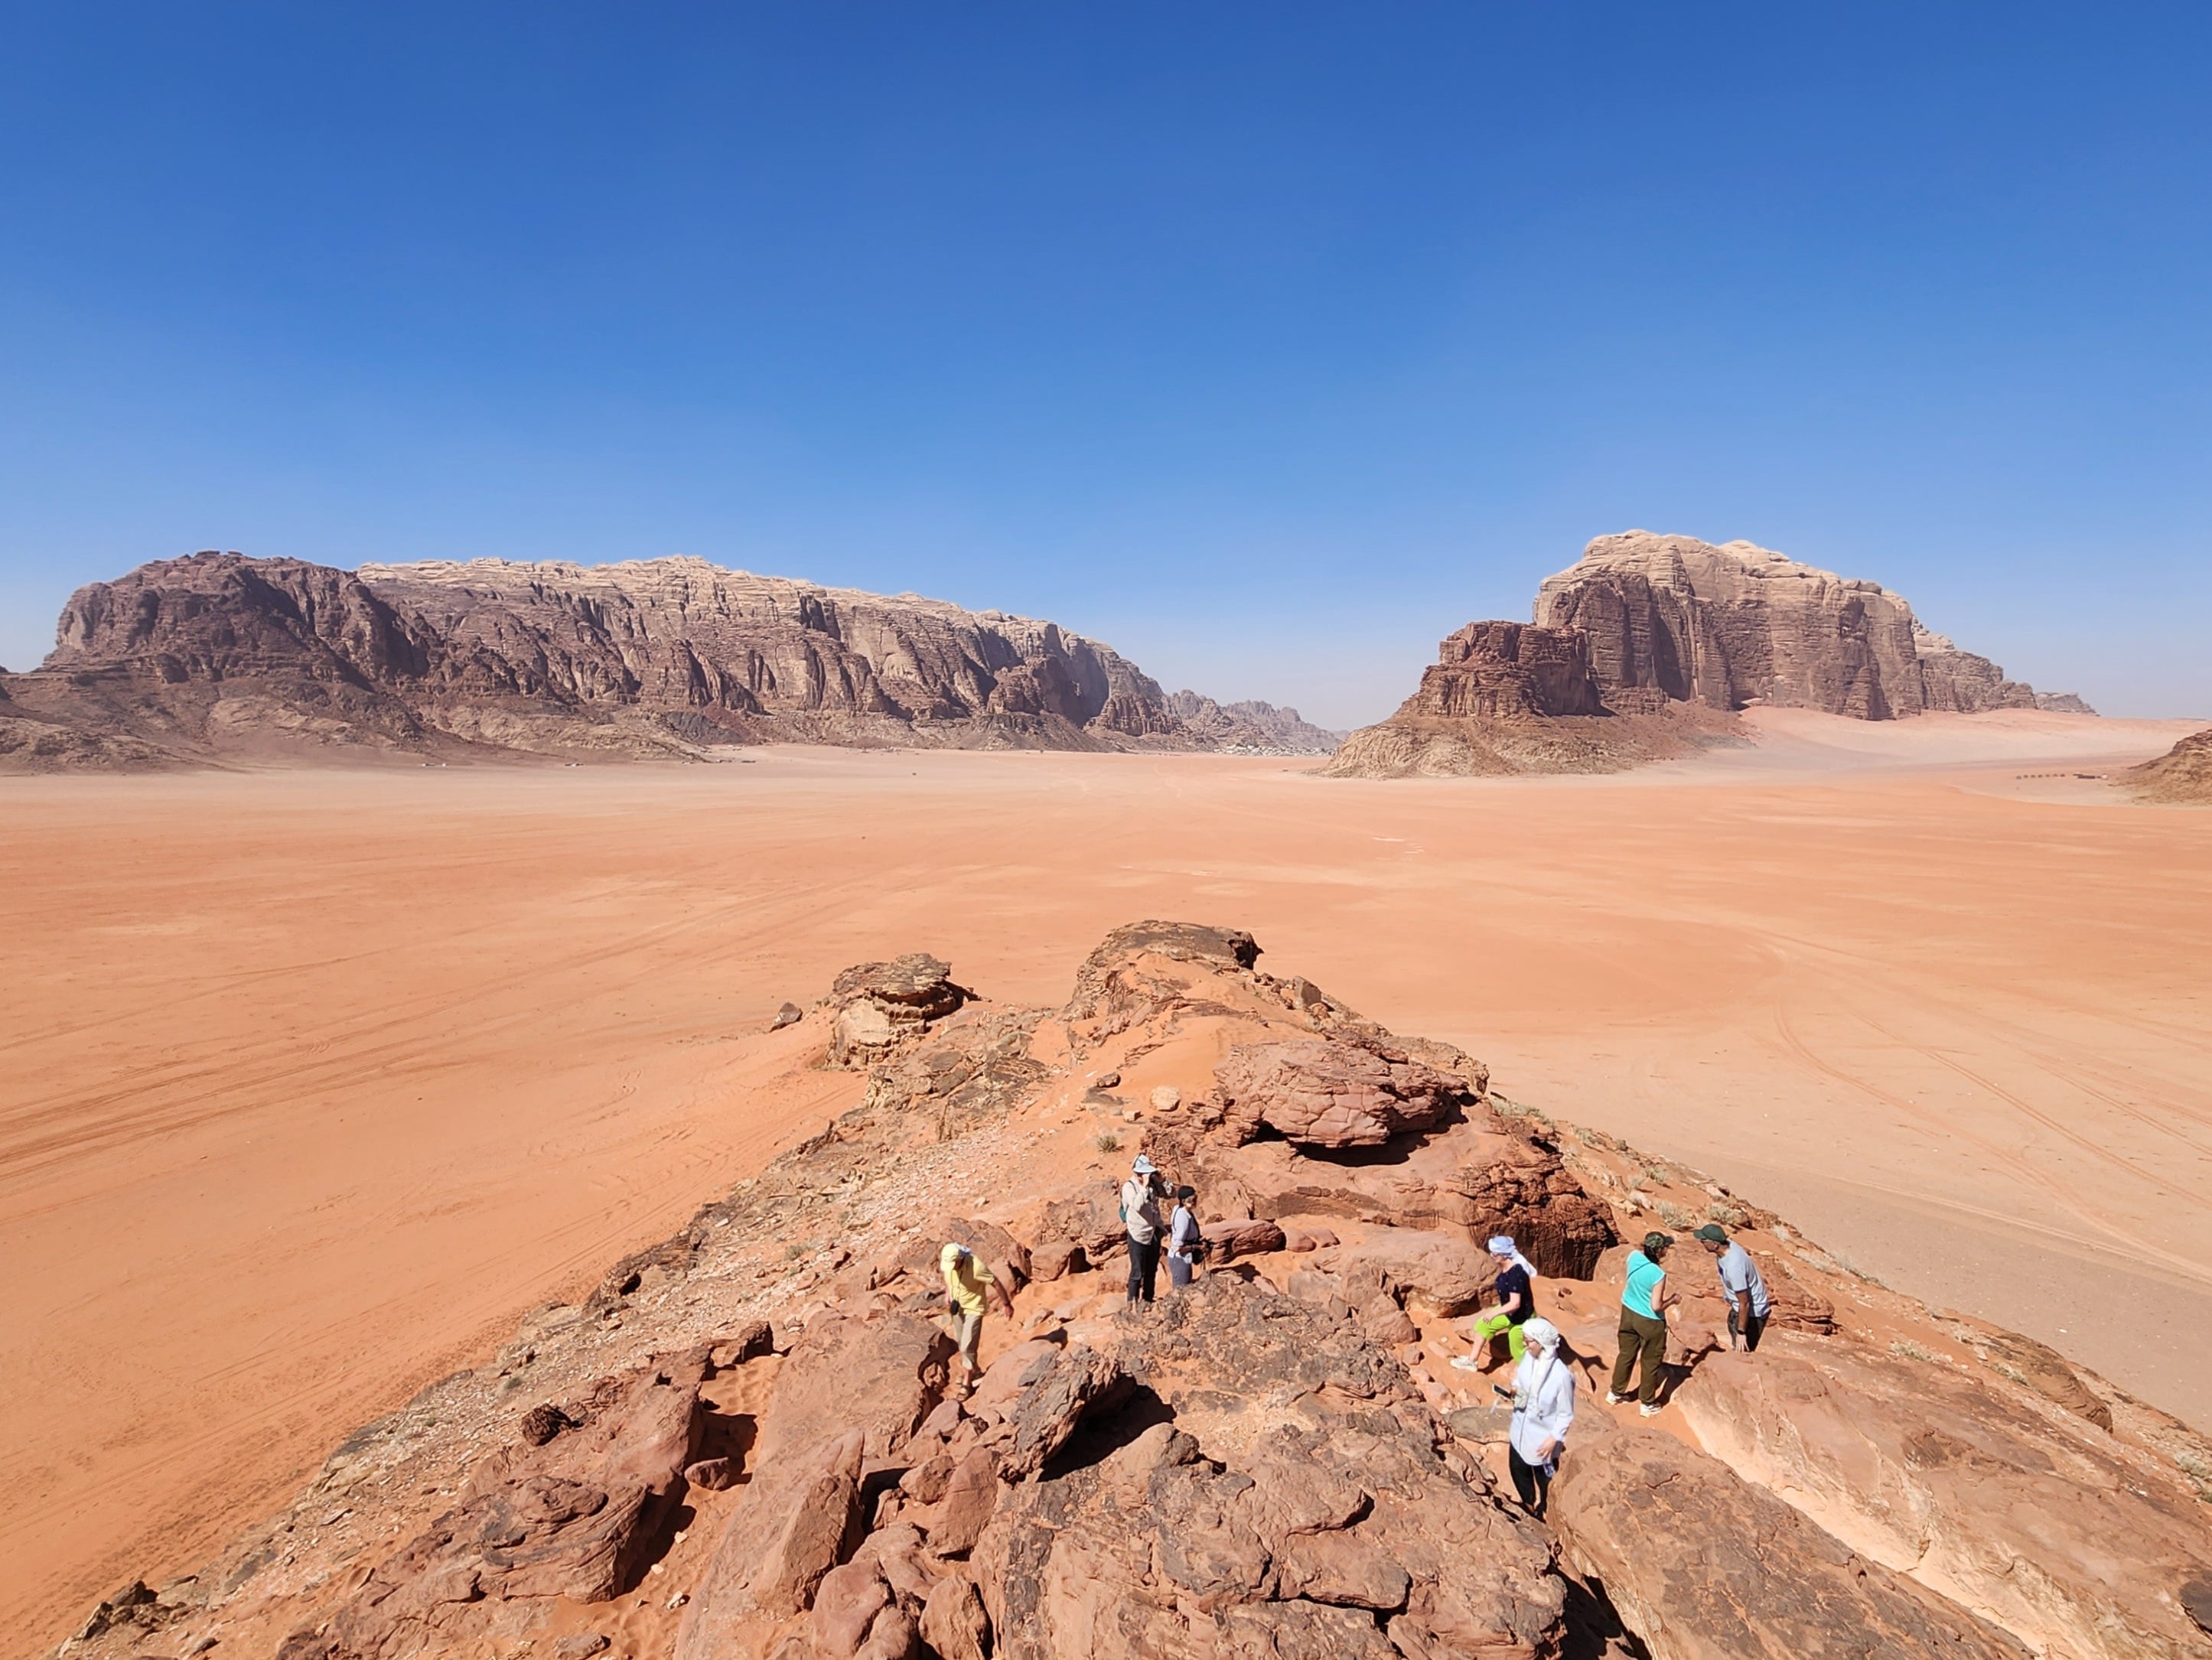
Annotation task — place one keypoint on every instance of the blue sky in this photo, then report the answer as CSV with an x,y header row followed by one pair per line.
x,y
1268,343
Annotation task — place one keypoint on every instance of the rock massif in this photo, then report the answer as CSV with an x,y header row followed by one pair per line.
x,y
1645,627
748,1442
220,655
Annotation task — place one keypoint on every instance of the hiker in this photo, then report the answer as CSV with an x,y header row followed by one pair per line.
x,y
968,1285
1644,1303
1140,1215
1748,1305
1543,1407
1516,1301
1186,1240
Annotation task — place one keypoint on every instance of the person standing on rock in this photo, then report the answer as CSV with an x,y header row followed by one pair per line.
x,y
968,1285
1748,1304
1140,1215
1517,1302
1543,1407
1644,1303
1186,1238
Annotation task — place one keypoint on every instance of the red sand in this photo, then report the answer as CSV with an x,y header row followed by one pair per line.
x,y
315,1080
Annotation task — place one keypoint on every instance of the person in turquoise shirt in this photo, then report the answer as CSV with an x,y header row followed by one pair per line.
x,y
1644,1302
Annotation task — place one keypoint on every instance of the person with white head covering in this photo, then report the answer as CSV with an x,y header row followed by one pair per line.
x,y
1140,1217
1543,1407
1517,1302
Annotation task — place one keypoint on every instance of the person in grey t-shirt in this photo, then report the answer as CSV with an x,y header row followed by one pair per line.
x,y
1748,1305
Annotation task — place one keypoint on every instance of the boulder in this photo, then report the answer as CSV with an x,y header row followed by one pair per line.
x,y
878,1004
953,1622
992,1243
1319,1091
2027,1515
1243,1237
1056,1258
1703,1566
1428,1273
969,1498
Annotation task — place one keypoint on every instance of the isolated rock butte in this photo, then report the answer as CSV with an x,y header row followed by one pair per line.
x,y
1275,1464
1645,646
2183,773
219,654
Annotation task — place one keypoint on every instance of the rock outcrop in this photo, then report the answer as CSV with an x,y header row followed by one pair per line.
x,y
1645,649
748,1443
1737,624
1704,1566
218,655
1251,727
2182,774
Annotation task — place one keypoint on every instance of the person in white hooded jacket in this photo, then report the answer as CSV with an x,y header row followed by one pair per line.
x,y
1543,1407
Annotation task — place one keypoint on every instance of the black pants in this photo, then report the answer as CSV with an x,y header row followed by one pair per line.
x,y
1143,1268
1532,1483
1750,1331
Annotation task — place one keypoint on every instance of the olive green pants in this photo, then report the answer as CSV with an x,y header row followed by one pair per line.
x,y
1640,1335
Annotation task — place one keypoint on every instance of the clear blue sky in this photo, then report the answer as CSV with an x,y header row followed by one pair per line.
x,y
1269,342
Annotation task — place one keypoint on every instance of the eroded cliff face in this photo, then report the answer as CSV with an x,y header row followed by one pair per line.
x,y
1734,624
220,655
1646,647
749,1443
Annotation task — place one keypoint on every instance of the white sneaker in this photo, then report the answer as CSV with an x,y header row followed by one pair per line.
x,y
1466,1363
1612,1400
1650,1412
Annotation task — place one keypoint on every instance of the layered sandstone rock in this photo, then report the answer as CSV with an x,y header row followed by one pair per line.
x,y
2182,774
220,655
1251,727
746,1444
1731,625
1644,648
1704,1566
2034,1519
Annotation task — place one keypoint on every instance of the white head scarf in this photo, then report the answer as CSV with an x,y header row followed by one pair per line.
x,y
1540,1333
1502,1245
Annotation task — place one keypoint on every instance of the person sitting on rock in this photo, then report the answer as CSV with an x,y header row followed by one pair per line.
x,y
1643,1303
1186,1240
1517,1302
1543,1407
1140,1215
1748,1305
968,1287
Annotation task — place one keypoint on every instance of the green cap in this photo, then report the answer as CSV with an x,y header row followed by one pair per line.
x,y
1653,1242
1712,1233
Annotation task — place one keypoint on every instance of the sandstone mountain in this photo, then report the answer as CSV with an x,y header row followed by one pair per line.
x,y
747,1443
1646,646
2183,773
219,655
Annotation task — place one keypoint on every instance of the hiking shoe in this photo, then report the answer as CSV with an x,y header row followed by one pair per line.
x,y
1612,1400
1466,1363
1650,1412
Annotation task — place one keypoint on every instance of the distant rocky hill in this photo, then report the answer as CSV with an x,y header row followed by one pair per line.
x,y
751,1441
1648,644
222,657
2183,773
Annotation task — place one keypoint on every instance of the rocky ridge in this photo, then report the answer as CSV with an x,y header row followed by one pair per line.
x,y
219,656
1646,646
744,1443
2182,774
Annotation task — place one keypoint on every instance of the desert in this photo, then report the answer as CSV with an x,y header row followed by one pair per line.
x,y
320,1080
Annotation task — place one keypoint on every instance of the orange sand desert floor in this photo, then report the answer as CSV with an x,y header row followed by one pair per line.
x,y
311,1082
